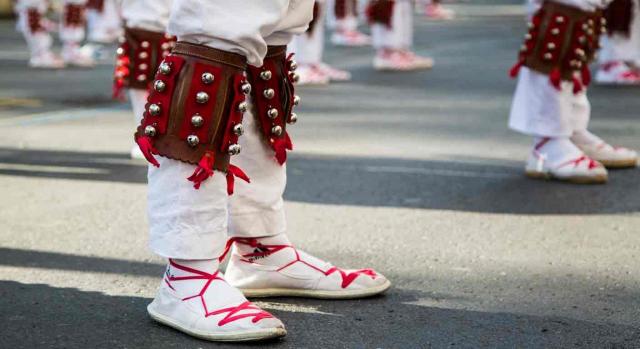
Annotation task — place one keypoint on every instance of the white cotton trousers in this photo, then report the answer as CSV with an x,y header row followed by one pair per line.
x,y
100,25
400,34
186,223
620,47
539,109
152,15
309,47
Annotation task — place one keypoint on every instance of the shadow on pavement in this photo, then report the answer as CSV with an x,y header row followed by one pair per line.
x,y
483,185
37,315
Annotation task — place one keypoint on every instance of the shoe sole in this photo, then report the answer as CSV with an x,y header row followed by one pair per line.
x,y
626,163
575,179
292,292
244,336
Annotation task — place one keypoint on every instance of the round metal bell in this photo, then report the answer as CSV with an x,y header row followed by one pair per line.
x,y
150,131
120,51
272,113
202,97
197,120
246,88
234,149
238,129
269,93
527,36
207,78
551,46
165,68
242,107
555,31
193,140
295,77
143,66
293,65
276,130
265,75
159,85
154,109
548,56
296,100
559,19
145,44
143,55
293,118
142,77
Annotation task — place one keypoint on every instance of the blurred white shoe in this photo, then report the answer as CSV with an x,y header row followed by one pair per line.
x,y
73,55
617,72
416,62
194,298
311,75
46,60
335,74
350,38
610,156
439,12
272,267
558,158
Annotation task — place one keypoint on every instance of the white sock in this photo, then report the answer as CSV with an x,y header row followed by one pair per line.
x,y
557,150
244,249
586,137
208,266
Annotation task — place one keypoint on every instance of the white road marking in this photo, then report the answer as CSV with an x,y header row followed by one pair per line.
x,y
51,169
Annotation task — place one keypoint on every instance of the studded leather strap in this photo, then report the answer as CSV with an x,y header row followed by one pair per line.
x,y
195,108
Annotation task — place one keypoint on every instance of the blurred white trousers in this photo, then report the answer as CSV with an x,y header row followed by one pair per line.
x,y
309,47
400,34
621,48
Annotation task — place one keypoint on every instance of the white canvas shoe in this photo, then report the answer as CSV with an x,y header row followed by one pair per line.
x,y
311,75
610,156
575,168
352,38
617,72
273,270
75,56
335,74
196,300
46,60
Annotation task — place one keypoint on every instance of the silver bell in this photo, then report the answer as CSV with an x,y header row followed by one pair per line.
x,y
242,107
296,100
145,44
246,88
197,120
276,130
234,149
295,77
207,78
165,68
269,93
159,85
143,55
272,113
238,129
293,65
193,140
266,75
150,131
293,118
154,109
202,97
120,51
143,66
142,77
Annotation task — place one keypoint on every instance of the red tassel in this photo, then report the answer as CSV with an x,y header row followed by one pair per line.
x,y
147,149
280,148
577,85
287,142
513,72
203,171
586,75
233,172
556,78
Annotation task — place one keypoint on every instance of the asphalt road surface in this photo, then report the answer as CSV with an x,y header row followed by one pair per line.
x,y
414,174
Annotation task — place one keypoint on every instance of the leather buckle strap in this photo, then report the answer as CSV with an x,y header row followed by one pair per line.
x,y
210,54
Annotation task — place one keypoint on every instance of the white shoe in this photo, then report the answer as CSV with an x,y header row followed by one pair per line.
x,y
438,12
415,62
610,156
73,55
311,75
335,74
617,72
351,38
281,270
579,169
202,304
46,60
388,60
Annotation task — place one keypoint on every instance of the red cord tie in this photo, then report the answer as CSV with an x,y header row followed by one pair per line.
x,y
203,171
147,149
232,172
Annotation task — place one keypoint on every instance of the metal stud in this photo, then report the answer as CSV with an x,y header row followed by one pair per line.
x,y
293,118
585,26
150,131
296,100
165,46
141,77
269,93
293,65
527,36
265,75
559,19
246,88
551,46
193,140
197,120
234,149
272,113
145,44
143,55
555,31
276,130
207,78
165,68
154,109
579,52
242,107
202,97
120,51
548,56
238,129
143,66
603,30
159,85
295,77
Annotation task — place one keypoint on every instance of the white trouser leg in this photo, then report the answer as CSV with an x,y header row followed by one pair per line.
x,y
103,25
581,111
138,98
309,47
393,37
150,15
71,34
539,109
405,14
39,42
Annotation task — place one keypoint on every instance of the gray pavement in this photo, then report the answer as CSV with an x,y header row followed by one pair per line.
x,y
413,174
